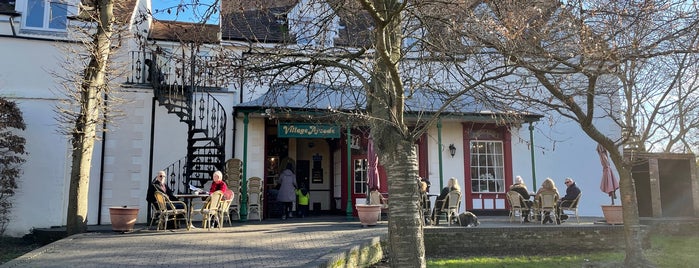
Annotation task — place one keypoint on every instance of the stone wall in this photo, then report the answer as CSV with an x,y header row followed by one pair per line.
x,y
479,241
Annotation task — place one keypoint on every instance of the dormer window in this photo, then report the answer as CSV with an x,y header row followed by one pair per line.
x,y
46,14
314,23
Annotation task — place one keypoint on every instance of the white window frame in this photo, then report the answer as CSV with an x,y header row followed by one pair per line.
x,y
70,6
487,167
360,167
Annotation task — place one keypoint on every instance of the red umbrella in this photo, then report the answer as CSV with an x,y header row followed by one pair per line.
x,y
609,182
373,170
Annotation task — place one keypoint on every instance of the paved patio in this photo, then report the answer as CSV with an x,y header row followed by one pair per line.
x,y
307,242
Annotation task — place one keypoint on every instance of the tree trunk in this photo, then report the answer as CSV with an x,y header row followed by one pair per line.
x,y
394,144
84,132
632,226
406,241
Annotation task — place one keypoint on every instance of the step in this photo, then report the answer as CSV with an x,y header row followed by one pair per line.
x,y
204,146
197,130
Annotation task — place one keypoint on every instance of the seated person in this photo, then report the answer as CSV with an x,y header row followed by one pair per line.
x,y
376,198
424,201
158,184
521,188
452,185
572,192
548,186
218,184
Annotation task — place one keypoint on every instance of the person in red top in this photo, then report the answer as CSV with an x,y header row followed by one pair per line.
x,y
218,183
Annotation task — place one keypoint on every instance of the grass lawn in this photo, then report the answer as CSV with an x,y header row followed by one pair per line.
x,y
666,251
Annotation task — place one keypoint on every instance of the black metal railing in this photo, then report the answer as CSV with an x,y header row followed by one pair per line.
x,y
181,94
203,71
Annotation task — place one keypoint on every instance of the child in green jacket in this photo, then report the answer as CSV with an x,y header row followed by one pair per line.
x,y
303,196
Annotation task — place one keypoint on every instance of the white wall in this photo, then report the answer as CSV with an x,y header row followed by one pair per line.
x,y
42,197
256,142
452,166
562,150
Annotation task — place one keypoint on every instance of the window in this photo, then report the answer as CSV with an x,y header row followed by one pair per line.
x,y
487,167
360,168
47,14
314,23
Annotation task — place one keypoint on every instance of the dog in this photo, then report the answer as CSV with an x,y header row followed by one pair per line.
x,y
468,219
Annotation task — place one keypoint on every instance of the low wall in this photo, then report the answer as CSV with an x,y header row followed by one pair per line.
x,y
479,241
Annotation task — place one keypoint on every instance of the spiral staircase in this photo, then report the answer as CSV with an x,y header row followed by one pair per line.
x,y
194,106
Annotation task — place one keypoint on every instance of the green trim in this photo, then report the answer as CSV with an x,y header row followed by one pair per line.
x,y
531,149
349,171
296,114
441,147
244,189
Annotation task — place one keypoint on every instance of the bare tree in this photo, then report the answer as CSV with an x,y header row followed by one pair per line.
x,y
674,124
627,62
89,93
395,52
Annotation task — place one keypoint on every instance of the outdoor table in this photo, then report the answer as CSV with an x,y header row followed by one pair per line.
x,y
188,200
432,195
430,200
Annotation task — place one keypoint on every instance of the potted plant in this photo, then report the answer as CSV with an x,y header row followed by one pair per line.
x,y
612,214
370,212
123,218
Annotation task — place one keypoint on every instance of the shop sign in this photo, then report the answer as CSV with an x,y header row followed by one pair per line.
x,y
292,130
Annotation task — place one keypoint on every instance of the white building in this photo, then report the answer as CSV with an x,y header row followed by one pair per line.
x,y
151,134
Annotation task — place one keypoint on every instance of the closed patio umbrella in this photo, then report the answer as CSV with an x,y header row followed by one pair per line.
x,y
609,182
372,169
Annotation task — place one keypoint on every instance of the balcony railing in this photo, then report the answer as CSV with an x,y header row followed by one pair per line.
x,y
202,72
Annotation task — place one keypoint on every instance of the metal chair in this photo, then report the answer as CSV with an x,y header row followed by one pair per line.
x,y
209,210
154,214
224,213
572,207
451,207
547,204
255,198
234,208
378,199
167,209
518,206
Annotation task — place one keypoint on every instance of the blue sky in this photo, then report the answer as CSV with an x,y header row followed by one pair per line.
x,y
189,14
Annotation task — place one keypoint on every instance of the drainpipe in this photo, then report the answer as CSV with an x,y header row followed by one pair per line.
x,y
531,149
101,181
152,139
439,141
244,191
234,129
349,172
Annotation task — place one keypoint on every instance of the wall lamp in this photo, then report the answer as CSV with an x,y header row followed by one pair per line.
x,y
452,150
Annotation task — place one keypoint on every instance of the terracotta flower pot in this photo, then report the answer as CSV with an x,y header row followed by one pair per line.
x,y
613,214
123,218
368,214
